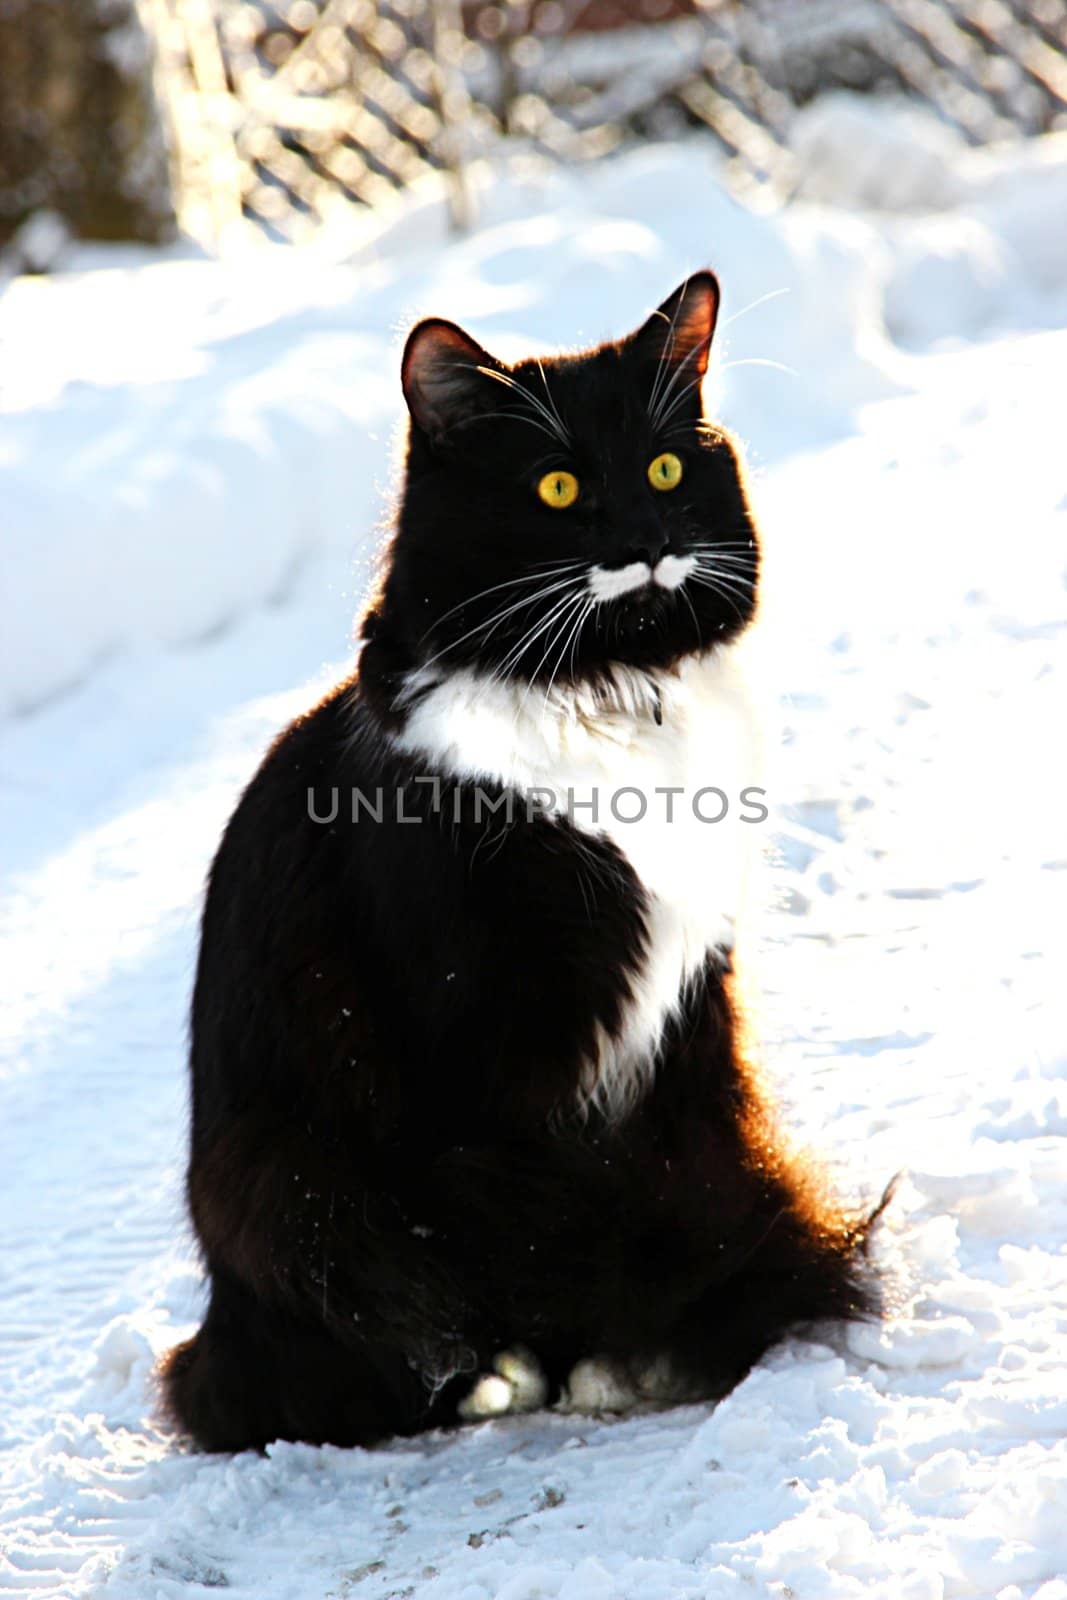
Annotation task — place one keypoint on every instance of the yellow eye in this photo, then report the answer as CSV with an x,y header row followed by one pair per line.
x,y
558,490
665,472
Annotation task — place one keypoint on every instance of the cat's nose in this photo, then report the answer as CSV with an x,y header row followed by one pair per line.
x,y
648,548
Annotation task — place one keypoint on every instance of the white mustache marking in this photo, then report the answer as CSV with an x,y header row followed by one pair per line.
x,y
672,571
611,583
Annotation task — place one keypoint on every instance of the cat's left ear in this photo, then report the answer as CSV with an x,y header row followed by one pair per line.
x,y
679,334
447,377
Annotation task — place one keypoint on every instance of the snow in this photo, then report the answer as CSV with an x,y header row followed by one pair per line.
x,y
194,459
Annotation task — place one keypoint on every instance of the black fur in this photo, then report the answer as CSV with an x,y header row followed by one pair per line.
x,y
391,1177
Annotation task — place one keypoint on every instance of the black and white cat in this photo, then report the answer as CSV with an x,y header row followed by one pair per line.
x,y
473,1129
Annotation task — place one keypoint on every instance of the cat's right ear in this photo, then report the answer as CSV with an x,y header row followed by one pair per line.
x,y
447,377
678,336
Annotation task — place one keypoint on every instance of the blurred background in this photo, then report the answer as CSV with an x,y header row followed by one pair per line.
x,y
120,119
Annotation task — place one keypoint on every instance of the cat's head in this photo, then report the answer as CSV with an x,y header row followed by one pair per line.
x,y
564,516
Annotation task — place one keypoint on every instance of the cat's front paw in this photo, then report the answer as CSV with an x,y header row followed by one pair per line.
x,y
515,1385
597,1386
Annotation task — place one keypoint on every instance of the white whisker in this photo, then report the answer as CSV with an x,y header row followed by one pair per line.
x,y
554,426
727,575
567,613
552,404
772,294
570,640
510,665
498,618
724,593
682,591
664,415
661,366
760,361
546,570
663,411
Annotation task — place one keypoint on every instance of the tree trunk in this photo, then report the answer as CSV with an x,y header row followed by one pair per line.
x,y
80,133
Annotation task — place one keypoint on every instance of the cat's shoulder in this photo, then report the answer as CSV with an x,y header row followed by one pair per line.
x,y
329,741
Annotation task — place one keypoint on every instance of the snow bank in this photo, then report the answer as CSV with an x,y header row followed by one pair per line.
x,y
880,155
975,236
178,439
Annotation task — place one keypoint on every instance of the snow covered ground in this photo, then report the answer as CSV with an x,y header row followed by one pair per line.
x,y
193,460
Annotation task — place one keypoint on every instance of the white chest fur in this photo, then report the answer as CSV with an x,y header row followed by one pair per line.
x,y
651,787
